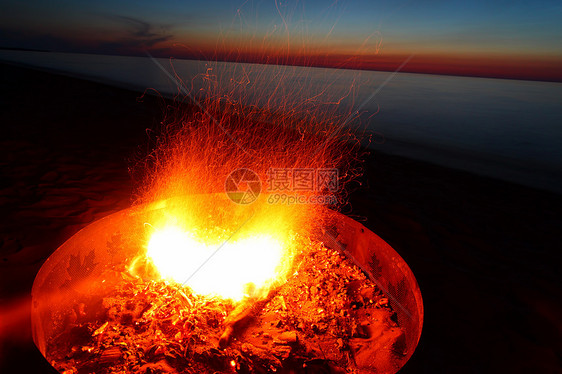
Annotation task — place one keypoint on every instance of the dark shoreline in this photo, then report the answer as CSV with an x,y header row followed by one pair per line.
x,y
485,252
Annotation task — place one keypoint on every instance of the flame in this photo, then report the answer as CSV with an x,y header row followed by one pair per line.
x,y
194,158
241,117
244,267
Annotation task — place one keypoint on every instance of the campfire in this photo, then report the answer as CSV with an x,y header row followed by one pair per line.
x,y
343,301
233,258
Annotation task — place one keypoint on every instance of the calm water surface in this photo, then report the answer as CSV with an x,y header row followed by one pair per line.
x,y
507,129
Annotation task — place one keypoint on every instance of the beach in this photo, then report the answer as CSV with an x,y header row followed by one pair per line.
x,y
485,252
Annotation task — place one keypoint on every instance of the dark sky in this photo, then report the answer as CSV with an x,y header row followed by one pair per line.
x,y
460,37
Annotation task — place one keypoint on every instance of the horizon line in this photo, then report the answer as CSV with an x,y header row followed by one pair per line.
x,y
300,61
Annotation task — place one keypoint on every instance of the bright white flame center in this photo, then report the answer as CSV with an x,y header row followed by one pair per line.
x,y
229,270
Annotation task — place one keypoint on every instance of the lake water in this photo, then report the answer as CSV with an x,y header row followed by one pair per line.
x,y
507,129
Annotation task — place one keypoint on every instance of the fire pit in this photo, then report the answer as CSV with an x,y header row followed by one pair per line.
x,y
336,299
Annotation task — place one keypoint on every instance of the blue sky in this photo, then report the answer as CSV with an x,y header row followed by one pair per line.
x,y
501,29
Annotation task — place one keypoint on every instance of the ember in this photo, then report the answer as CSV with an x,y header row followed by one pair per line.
x,y
326,315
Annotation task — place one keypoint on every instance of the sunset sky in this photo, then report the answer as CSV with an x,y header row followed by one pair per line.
x,y
511,39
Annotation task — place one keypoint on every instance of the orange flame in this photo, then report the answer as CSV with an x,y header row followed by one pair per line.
x,y
234,269
233,123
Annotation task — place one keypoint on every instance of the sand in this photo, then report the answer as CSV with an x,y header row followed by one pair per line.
x,y
485,253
